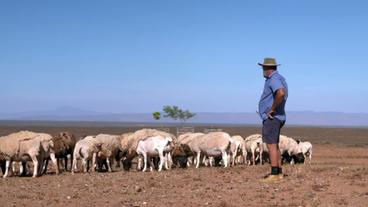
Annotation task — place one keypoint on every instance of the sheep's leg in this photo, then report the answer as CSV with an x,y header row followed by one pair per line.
x,y
41,164
84,164
71,160
292,160
198,160
204,161
233,157
14,167
245,158
310,156
228,159
151,163
35,166
224,158
211,161
44,169
7,168
94,157
139,166
108,164
74,165
145,160
171,162
190,160
55,162
162,160
66,163
21,170
253,158
167,161
261,157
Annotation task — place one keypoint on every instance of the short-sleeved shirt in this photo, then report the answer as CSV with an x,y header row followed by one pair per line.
x,y
272,84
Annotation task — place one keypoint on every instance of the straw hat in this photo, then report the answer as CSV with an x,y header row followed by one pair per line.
x,y
269,62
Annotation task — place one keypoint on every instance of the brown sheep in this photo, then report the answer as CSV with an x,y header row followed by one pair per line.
x,y
64,144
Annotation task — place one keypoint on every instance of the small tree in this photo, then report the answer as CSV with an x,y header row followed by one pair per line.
x,y
156,115
176,113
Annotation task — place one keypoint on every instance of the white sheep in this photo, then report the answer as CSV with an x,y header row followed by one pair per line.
x,y
289,146
153,147
213,144
306,148
129,143
185,141
86,150
253,144
238,149
23,145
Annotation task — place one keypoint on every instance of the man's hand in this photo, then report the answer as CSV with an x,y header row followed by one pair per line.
x,y
270,114
279,97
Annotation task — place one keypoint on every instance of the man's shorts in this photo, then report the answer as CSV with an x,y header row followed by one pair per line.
x,y
271,130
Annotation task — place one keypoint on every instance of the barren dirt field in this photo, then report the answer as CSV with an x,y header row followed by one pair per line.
x,y
337,176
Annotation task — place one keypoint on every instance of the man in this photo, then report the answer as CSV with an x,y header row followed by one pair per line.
x,y
272,112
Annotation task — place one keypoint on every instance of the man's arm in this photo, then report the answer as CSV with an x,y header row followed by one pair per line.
x,y
279,97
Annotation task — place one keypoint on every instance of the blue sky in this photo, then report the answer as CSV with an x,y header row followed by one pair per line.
x,y
136,56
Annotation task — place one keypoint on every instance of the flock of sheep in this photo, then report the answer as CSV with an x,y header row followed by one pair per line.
x,y
149,148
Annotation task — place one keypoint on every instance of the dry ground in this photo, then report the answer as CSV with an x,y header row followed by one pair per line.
x,y
337,176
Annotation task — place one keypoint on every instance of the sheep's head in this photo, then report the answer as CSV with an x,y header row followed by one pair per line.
x,y
98,147
47,145
104,154
169,139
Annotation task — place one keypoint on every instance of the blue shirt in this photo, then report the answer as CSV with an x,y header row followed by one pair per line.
x,y
272,84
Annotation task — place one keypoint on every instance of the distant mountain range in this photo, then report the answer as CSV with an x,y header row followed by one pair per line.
x,y
307,118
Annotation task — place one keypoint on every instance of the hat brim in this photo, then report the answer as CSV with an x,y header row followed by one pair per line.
x,y
268,64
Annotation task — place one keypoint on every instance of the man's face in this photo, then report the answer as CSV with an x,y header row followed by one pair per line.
x,y
267,71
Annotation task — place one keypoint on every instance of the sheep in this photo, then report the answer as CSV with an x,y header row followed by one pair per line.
x,y
306,148
290,149
213,144
152,147
86,149
238,149
64,144
102,159
22,165
2,163
25,145
252,144
109,148
185,143
129,143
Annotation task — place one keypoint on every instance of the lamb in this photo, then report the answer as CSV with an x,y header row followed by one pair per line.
x,y
86,149
213,144
153,147
306,148
25,145
109,148
238,149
